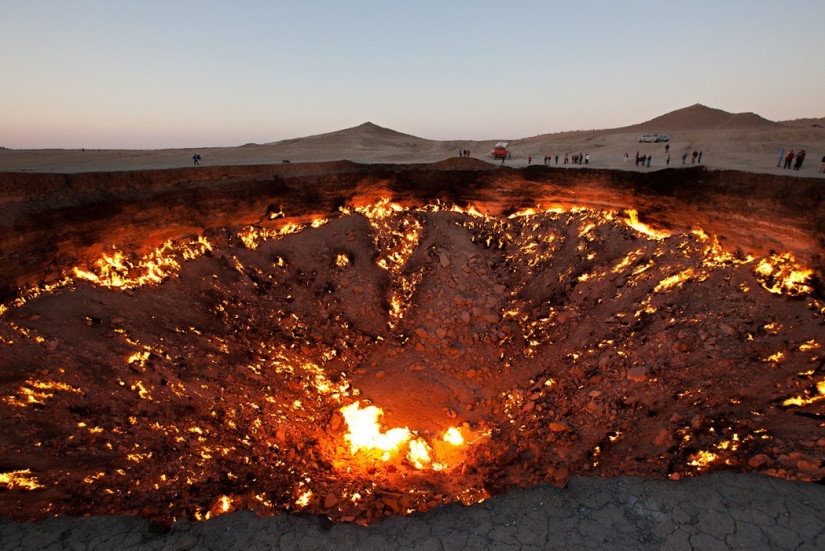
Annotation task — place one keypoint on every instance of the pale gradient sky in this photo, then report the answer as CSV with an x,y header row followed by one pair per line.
x,y
176,73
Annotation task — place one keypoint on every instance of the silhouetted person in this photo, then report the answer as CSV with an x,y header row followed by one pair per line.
x,y
789,159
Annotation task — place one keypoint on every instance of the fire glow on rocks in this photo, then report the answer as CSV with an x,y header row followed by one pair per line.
x,y
390,359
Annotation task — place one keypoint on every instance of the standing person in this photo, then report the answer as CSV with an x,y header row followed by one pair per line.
x,y
700,156
196,158
529,159
626,156
789,159
822,164
637,158
545,160
667,148
557,159
649,158
693,158
668,158
781,158
684,158
587,159
800,158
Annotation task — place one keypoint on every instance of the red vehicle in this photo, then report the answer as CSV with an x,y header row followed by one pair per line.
x,y
501,150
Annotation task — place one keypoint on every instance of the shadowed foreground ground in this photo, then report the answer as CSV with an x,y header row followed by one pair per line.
x,y
720,511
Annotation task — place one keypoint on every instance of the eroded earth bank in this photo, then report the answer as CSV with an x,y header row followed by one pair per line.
x,y
364,341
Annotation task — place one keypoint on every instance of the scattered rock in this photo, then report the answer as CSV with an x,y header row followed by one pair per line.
x,y
664,438
728,330
637,374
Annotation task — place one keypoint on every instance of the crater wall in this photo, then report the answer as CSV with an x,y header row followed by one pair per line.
x,y
50,223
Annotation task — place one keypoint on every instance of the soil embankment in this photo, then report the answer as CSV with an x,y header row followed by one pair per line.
x,y
50,223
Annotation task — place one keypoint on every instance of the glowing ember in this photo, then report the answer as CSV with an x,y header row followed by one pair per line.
x,y
702,459
674,280
19,479
806,400
303,499
633,222
781,274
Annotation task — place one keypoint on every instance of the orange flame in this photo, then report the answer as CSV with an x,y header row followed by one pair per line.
x,y
365,432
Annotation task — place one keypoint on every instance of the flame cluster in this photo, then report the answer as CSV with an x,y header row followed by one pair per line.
x,y
780,274
119,271
365,435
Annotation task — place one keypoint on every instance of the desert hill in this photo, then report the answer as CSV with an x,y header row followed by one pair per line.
x,y
741,141
366,133
701,117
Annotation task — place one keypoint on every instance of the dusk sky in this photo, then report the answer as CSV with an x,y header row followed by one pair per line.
x,y
176,73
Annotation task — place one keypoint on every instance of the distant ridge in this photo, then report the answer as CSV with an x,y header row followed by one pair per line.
x,y
701,117
369,136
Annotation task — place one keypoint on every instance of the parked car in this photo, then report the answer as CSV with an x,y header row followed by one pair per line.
x,y
653,138
501,150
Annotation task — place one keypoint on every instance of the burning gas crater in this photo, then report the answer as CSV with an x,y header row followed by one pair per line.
x,y
391,359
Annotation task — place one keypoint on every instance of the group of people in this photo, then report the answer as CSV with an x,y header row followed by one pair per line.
x,y
643,159
794,160
578,159
463,152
